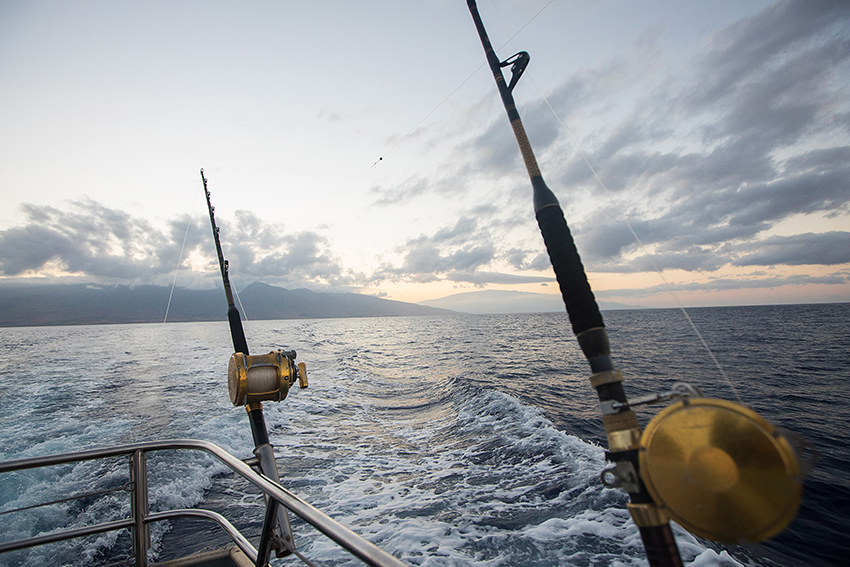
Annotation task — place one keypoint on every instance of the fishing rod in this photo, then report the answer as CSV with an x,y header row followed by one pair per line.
x,y
250,381
622,428
237,333
703,462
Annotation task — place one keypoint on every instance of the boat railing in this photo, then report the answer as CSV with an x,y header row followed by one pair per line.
x,y
142,518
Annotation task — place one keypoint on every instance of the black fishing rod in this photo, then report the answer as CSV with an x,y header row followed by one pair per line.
x,y
237,334
621,425
251,380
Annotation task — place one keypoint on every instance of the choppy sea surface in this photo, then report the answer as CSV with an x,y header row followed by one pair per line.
x,y
451,440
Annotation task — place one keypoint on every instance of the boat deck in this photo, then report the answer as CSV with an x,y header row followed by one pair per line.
x,y
225,557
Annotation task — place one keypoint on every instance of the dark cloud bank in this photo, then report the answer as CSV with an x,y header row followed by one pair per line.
x,y
766,103
105,245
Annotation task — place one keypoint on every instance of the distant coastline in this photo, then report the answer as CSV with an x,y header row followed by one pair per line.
x,y
89,304
94,304
505,301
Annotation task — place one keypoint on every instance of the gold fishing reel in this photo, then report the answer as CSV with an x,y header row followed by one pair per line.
x,y
264,377
722,471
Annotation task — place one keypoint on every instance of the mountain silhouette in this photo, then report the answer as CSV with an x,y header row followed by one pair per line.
x,y
91,304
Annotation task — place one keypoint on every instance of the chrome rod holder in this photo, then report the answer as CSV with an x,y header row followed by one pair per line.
x,y
139,507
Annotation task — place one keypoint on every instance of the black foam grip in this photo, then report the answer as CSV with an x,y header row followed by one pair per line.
x,y
581,305
660,546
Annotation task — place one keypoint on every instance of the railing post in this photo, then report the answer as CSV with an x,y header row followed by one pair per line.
x,y
139,507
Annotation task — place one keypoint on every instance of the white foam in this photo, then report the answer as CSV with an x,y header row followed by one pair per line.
x,y
457,498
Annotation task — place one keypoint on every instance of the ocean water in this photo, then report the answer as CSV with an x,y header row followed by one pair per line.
x,y
452,440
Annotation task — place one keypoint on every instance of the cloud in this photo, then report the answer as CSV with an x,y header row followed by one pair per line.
x,y
828,248
727,284
102,244
460,233
729,220
403,193
466,251
494,152
91,239
425,259
482,278
710,152
780,29
752,132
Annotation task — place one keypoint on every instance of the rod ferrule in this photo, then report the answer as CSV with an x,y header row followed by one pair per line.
x,y
647,515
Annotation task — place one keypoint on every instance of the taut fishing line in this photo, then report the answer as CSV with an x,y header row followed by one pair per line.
x,y
180,258
242,307
442,102
637,238
381,91
400,140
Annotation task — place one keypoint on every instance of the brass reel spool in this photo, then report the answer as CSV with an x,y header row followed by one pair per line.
x,y
265,377
721,471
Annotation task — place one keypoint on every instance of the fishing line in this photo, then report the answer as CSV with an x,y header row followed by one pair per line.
x,y
442,102
180,259
381,89
637,238
429,114
510,39
644,249
242,307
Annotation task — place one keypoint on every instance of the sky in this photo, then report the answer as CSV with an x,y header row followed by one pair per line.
x,y
700,150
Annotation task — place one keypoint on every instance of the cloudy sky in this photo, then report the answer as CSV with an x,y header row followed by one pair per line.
x,y
361,146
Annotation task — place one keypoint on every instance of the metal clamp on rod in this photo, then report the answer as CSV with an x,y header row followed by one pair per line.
x,y
621,475
681,391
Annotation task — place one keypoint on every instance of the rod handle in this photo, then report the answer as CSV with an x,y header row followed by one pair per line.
x,y
569,271
660,546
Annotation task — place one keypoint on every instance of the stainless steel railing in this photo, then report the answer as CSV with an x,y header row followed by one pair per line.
x,y
141,517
